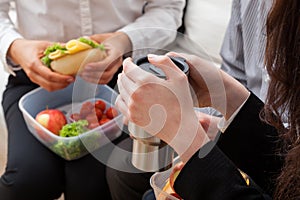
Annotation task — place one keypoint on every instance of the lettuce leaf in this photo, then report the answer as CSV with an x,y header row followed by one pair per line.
x,y
56,46
74,128
91,43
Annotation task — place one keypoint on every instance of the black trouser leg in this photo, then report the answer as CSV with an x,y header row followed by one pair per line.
x,y
32,171
124,180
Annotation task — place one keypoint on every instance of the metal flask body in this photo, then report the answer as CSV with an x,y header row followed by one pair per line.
x,y
149,153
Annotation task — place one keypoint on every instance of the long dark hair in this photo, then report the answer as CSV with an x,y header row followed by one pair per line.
x,y
283,99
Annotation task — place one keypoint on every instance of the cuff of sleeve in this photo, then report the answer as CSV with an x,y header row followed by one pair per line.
x,y
214,170
223,124
142,39
5,42
136,41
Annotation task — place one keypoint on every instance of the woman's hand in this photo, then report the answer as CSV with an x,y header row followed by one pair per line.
x,y
213,87
163,108
209,124
116,44
27,54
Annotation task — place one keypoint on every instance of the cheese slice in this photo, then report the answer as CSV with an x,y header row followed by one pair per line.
x,y
74,46
57,54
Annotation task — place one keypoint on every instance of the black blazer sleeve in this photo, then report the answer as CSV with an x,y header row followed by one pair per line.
x,y
214,177
248,144
252,145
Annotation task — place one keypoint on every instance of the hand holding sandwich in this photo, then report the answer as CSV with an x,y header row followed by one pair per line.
x,y
69,58
116,44
27,54
95,62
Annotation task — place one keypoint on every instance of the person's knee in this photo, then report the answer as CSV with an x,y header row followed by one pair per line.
x,y
16,185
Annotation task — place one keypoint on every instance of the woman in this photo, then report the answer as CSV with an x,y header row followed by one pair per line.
x,y
165,108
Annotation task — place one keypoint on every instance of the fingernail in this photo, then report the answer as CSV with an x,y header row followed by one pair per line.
x,y
70,80
156,58
152,56
127,62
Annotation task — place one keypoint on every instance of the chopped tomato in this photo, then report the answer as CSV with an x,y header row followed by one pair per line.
x,y
111,113
101,105
103,121
99,113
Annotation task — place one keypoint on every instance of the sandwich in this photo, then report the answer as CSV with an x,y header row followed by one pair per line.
x,y
70,57
168,191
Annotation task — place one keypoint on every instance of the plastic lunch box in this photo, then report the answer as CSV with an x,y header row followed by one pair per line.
x,y
68,100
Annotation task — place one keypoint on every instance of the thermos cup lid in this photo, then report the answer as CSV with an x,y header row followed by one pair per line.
x,y
143,62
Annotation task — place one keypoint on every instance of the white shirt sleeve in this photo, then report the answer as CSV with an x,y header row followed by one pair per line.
x,y
223,124
157,27
8,33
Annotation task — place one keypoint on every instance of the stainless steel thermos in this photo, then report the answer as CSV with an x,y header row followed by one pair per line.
x,y
150,153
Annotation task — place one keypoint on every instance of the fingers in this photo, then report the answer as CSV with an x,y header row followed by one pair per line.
x,y
104,65
126,87
137,74
103,71
101,37
175,54
190,59
46,78
51,76
122,106
166,64
98,77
